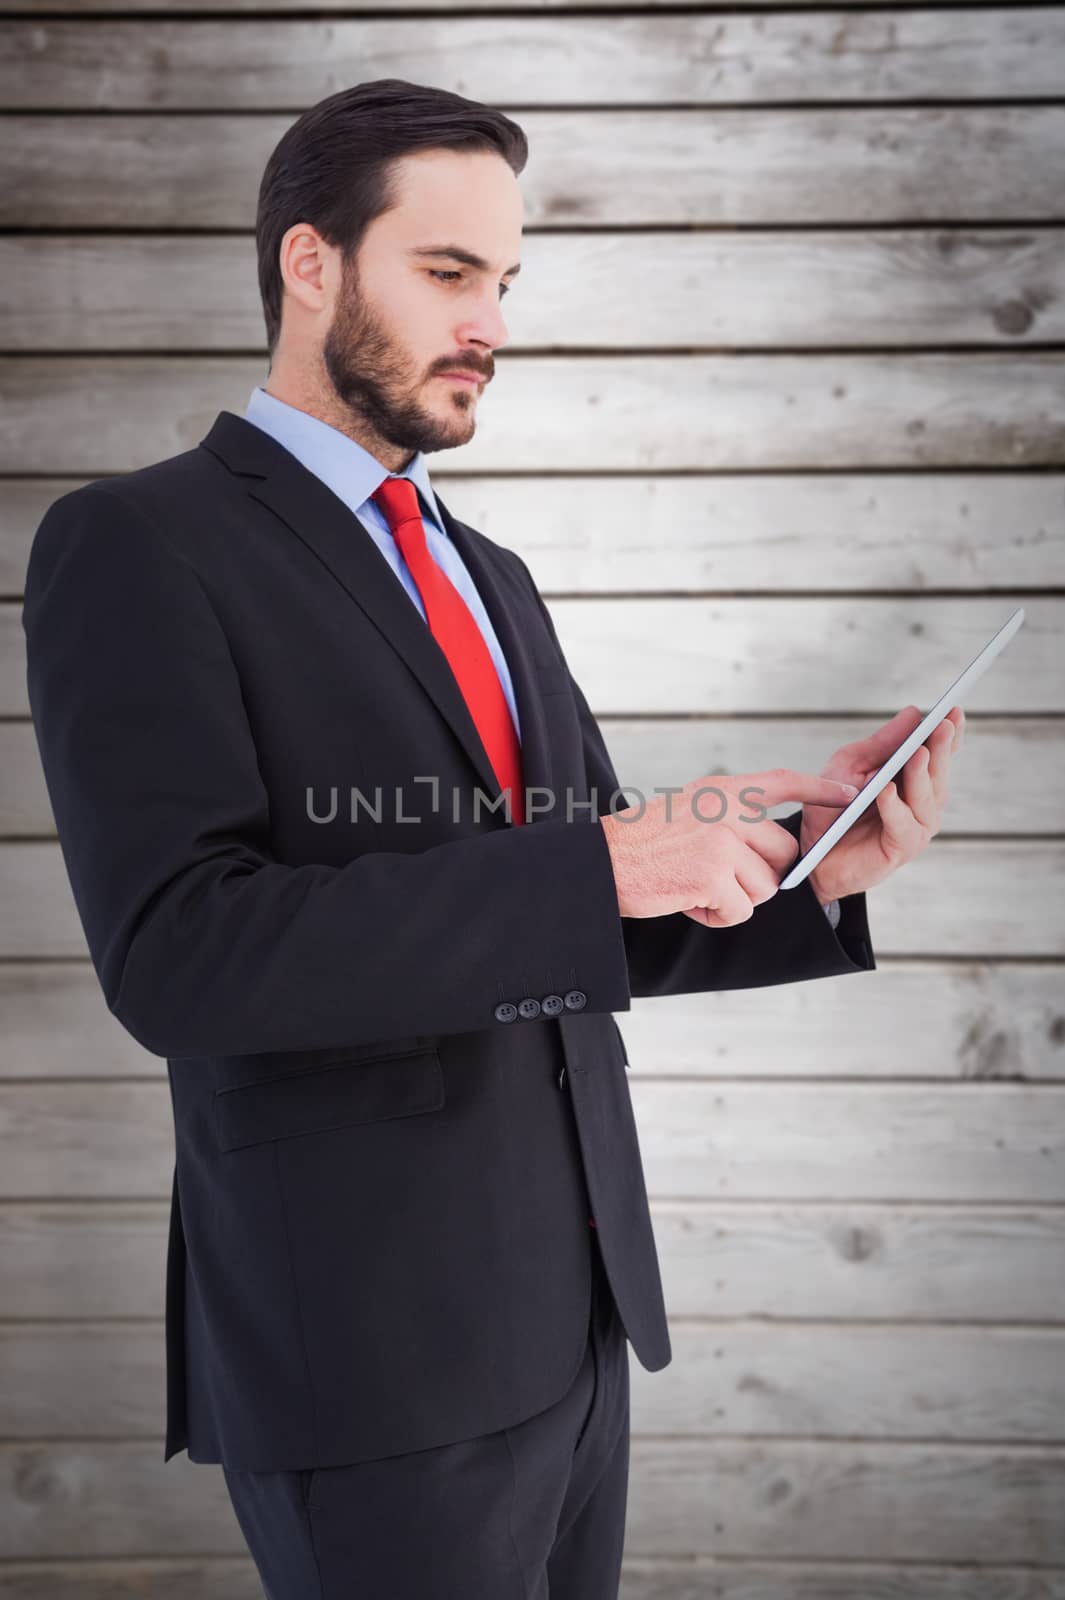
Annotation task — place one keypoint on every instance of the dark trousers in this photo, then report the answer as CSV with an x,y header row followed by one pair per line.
x,y
513,1515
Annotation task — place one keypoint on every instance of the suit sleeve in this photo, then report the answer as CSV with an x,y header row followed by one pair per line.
x,y
788,939
202,941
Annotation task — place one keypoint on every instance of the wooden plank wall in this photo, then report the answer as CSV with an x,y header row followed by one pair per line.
x,y
790,337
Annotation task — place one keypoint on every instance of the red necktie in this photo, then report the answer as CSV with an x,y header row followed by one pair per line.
x,y
455,630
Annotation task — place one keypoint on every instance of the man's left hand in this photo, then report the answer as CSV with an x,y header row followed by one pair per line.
x,y
903,818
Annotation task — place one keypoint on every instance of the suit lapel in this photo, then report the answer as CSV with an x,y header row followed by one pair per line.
x,y
314,514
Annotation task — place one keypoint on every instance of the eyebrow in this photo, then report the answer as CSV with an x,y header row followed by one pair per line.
x,y
455,252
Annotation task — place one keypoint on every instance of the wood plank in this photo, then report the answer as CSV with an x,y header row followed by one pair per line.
x,y
210,1578
102,1499
886,288
831,1381
106,1380
643,1578
810,1141
856,164
721,1258
798,1499
393,7
772,411
724,656
847,1501
985,798
91,416
118,1145
767,656
969,1020
130,292
946,1020
766,1140
1010,53
960,898
958,531
85,1260
38,916
78,1380
56,1024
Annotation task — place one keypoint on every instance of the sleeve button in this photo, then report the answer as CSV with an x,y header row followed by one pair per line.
x,y
505,1011
552,1004
575,999
529,1007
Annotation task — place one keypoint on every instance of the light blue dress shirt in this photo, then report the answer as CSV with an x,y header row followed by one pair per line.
x,y
353,474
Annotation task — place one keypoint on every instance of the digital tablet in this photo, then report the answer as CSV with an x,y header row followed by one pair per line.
x,y
883,776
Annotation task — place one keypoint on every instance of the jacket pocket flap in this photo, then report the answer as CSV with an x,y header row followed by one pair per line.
x,y
336,1096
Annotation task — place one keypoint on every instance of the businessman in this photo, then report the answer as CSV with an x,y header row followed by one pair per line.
x,y
338,823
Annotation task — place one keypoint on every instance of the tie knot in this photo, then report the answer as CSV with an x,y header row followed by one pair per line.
x,y
398,499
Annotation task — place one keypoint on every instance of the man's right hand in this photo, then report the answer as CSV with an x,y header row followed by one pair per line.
x,y
677,857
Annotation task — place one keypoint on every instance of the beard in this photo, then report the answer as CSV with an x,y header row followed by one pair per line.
x,y
375,379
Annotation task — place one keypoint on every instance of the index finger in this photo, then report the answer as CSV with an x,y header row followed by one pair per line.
x,y
783,783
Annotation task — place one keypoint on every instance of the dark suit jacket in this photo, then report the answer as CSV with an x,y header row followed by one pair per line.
x,y
379,1221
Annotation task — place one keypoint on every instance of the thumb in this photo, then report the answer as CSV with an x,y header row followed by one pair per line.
x,y
875,749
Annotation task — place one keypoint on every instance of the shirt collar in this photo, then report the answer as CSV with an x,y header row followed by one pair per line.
x,y
340,462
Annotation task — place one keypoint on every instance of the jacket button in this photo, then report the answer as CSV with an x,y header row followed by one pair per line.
x,y
552,1005
505,1012
529,1007
575,999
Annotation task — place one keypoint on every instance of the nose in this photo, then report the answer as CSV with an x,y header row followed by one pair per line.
x,y
487,326
501,333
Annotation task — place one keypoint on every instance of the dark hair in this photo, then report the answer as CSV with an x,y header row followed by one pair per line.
x,y
333,166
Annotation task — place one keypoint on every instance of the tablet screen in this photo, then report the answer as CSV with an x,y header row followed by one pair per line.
x,y
899,757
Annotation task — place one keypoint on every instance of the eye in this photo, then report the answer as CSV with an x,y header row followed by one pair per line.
x,y
449,274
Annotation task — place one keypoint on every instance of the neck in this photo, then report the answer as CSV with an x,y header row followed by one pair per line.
x,y
317,397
